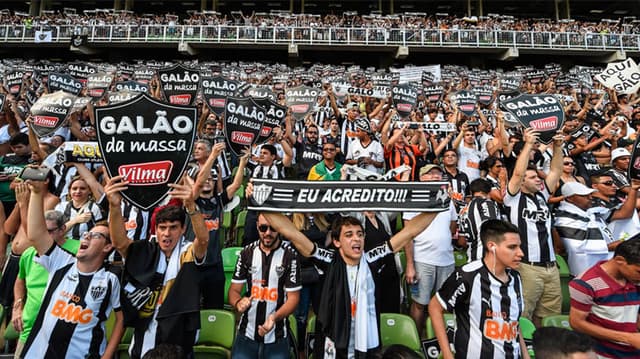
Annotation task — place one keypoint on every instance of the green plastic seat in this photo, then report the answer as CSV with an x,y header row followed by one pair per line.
x,y
217,334
527,328
449,320
241,218
560,321
565,278
311,331
460,258
399,329
229,259
125,342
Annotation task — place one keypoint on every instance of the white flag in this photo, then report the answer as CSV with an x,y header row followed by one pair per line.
x,y
624,77
42,36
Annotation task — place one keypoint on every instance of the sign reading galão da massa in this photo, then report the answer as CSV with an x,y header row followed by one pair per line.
x,y
244,120
542,112
179,84
148,143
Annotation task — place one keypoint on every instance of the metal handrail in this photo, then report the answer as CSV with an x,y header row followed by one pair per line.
x,y
366,36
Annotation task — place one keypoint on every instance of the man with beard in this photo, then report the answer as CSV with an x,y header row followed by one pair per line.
x,y
210,199
623,220
270,271
308,151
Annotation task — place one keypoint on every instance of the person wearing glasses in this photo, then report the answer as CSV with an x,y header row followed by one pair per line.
x,y
32,278
161,285
270,270
80,294
328,169
568,175
623,220
496,175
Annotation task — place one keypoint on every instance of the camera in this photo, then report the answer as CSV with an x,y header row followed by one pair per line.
x,y
218,139
34,173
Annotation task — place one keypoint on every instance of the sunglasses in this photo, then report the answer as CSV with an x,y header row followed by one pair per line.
x,y
568,163
607,183
264,227
312,133
329,149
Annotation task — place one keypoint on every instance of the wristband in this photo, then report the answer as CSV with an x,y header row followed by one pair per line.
x,y
191,213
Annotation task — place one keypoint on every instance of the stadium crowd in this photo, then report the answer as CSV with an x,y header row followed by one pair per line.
x,y
517,205
410,21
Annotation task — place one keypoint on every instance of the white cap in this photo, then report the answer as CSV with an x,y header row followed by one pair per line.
x,y
619,152
576,188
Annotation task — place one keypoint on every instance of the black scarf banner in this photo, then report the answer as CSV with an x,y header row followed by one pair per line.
x,y
345,196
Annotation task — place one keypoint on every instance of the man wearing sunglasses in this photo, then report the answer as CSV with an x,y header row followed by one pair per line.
x,y
269,269
622,220
80,293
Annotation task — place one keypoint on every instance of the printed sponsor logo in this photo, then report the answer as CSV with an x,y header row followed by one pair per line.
x,y
243,138
545,124
182,99
45,121
146,174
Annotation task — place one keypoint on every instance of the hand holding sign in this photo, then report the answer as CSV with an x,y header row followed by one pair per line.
x,y
112,190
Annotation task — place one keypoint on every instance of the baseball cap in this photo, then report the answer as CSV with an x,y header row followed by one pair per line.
x,y
351,105
426,168
619,152
576,188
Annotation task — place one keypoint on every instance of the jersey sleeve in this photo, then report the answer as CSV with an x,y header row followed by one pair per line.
x,y
54,259
454,291
322,257
115,293
292,281
241,272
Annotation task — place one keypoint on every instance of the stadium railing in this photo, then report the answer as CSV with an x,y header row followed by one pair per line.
x,y
329,36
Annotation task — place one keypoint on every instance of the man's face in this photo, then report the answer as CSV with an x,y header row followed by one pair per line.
x,y
21,150
605,185
266,158
630,272
450,158
312,135
434,175
531,182
582,202
329,151
508,252
210,130
200,151
267,235
622,163
168,234
469,138
94,244
351,243
56,233
352,113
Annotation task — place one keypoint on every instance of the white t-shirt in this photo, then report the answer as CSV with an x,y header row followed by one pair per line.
x,y
469,161
373,150
433,245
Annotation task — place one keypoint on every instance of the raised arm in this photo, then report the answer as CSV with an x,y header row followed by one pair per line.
x,y
530,137
182,191
285,227
205,170
553,178
411,229
116,222
36,225
239,177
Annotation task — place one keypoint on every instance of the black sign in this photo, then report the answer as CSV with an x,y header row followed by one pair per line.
x,y
215,90
98,84
274,117
427,78
433,93
134,86
465,101
543,113
126,71
79,40
553,70
13,81
382,80
244,119
301,100
510,84
323,196
484,94
536,76
81,71
404,98
179,84
50,112
44,68
121,96
64,82
260,92
143,74
148,143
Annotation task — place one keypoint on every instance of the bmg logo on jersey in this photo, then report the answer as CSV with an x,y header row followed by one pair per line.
x,y
500,330
71,313
264,294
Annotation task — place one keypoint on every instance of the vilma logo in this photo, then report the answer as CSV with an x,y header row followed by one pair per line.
x,y
545,124
182,99
45,121
241,137
261,193
146,174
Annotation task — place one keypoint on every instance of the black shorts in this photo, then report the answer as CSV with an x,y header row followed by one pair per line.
x,y
8,279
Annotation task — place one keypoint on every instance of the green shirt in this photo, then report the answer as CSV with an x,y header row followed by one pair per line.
x,y
36,277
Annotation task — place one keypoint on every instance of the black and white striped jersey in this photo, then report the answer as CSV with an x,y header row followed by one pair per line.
x,y
268,278
74,309
487,312
530,213
471,218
